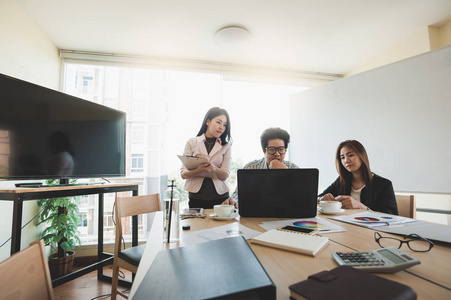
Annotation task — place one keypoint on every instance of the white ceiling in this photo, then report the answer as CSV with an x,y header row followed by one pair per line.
x,y
331,36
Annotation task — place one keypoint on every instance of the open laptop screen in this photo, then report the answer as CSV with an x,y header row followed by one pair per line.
x,y
279,193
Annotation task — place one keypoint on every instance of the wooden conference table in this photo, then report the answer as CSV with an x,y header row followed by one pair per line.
x,y
431,279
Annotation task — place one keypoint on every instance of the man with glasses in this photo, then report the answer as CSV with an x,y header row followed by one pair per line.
x,y
274,142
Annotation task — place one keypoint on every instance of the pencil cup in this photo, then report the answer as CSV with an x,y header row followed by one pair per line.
x,y
171,217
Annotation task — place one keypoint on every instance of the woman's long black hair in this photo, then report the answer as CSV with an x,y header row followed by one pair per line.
x,y
212,113
365,170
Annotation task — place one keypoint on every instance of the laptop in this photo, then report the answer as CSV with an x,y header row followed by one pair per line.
x,y
279,193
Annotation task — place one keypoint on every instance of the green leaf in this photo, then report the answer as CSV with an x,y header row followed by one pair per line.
x,y
66,246
63,226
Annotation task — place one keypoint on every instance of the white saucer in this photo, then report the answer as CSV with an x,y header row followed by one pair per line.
x,y
331,213
214,216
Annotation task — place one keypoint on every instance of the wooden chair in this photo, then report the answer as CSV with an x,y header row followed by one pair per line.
x,y
129,258
25,275
406,205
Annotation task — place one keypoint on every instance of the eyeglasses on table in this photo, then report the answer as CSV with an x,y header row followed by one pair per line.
x,y
414,242
193,216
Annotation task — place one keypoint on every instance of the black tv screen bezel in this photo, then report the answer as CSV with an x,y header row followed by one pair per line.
x,y
40,93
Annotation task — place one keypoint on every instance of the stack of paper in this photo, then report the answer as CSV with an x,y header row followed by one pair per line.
x,y
292,241
371,219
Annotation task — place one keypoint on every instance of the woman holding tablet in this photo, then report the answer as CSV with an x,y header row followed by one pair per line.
x,y
357,186
207,184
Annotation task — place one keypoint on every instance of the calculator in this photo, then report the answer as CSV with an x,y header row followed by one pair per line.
x,y
385,260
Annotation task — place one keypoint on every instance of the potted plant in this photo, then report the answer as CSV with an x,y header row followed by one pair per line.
x,y
61,216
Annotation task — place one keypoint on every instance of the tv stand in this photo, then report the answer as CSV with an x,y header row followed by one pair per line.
x,y
21,194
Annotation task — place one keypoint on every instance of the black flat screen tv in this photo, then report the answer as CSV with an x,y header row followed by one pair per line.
x,y
46,134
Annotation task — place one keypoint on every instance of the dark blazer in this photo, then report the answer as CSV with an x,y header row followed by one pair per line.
x,y
383,194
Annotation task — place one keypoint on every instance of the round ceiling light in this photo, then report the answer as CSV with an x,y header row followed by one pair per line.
x,y
232,37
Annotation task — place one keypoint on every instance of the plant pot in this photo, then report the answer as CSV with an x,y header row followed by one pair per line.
x,y
61,266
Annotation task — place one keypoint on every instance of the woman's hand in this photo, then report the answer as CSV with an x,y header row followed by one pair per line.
x,y
207,168
230,201
327,197
185,174
350,203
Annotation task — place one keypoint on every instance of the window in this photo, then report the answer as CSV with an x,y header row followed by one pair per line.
x,y
137,134
83,221
164,109
141,94
108,222
88,85
4,152
84,81
111,92
137,163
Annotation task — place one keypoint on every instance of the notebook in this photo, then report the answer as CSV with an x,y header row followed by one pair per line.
x,y
225,269
347,283
292,241
280,193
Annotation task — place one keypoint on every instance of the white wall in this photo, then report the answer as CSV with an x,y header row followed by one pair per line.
x,y
445,35
28,54
422,41
400,112
415,44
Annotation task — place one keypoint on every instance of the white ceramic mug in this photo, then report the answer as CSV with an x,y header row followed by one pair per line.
x,y
330,206
224,211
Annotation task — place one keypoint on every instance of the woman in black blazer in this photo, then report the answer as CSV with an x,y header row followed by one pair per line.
x,y
357,186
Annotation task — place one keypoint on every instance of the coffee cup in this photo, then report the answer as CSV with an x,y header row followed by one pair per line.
x,y
224,211
330,206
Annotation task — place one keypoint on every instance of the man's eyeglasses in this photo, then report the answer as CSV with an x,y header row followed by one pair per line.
x,y
414,242
272,150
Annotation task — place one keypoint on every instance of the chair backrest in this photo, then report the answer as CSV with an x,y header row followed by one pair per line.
x,y
133,206
406,205
25,275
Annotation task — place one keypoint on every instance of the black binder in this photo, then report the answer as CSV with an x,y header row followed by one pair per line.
x,y
347,283
221,269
